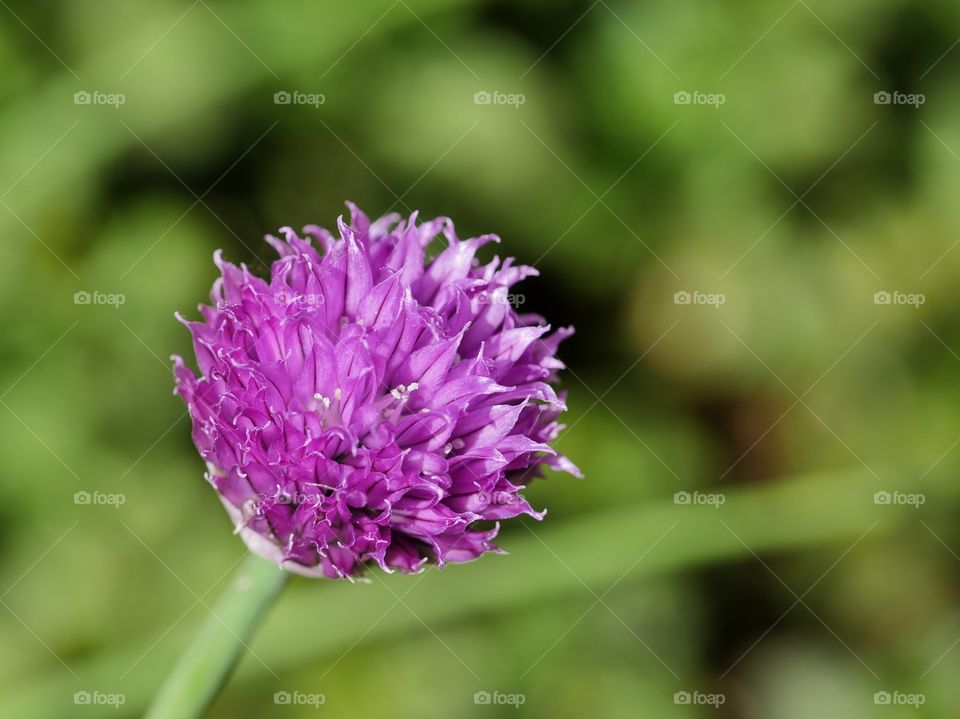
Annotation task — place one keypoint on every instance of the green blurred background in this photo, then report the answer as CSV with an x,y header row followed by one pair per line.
x,y
780,198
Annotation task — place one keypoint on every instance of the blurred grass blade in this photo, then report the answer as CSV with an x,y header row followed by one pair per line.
x,y
207,664
793,513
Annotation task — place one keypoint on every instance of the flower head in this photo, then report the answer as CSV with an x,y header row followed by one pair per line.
x,y
368,404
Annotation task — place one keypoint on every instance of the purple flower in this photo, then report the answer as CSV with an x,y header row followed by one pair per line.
x,y
369,404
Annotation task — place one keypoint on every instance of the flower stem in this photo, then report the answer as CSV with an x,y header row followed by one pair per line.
x,y
205,667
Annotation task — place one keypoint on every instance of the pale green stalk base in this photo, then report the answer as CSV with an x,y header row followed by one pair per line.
x,y
205,667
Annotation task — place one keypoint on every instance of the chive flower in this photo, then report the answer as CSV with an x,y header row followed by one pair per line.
x,y
370,404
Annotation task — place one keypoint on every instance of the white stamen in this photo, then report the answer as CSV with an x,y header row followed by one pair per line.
x,y
402,392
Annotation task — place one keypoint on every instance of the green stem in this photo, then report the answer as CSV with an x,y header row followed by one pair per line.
x,y
206,666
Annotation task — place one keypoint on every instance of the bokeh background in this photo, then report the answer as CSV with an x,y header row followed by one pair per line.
x,y
736,152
